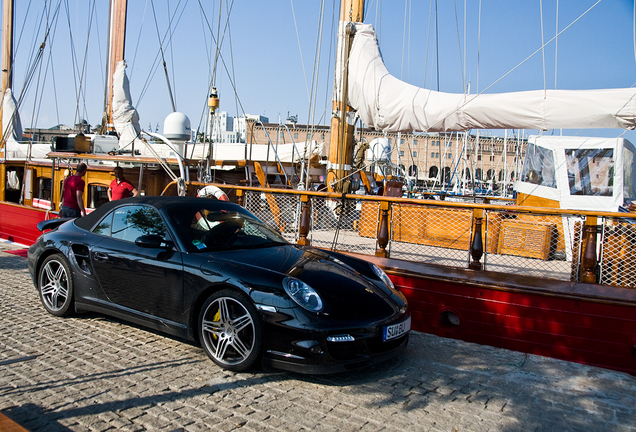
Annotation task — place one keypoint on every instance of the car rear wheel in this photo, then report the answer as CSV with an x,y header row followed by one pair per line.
x,y
56,285
230,330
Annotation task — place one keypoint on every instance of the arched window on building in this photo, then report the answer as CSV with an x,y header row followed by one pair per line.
x,y
433,171
467,175
478,174
413,170
489,174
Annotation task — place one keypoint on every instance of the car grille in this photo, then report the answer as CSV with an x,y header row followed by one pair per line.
x,y
361,348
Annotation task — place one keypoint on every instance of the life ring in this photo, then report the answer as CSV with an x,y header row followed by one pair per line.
x,y
212,191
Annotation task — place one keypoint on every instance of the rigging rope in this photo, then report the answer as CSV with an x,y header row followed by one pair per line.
x,y
163,59
459,44
519,65
545,87
556,45
437,43
478,44
428,38
302,63
311,116
82,91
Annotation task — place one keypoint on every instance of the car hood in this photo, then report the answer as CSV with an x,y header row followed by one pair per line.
x,y
345,292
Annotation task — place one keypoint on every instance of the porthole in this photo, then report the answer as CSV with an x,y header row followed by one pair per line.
x,y
449,319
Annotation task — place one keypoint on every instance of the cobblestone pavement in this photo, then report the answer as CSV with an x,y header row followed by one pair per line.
x,y
95,373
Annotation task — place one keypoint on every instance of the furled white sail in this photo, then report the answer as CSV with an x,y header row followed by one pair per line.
x,y
11,125
14,146
385,103
125,116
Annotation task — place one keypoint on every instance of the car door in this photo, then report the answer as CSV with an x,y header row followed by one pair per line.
x,y
144,279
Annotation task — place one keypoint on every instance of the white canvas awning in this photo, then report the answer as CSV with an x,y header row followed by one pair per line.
x,y
581,173
385,103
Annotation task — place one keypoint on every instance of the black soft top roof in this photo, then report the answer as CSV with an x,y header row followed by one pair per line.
x,y
87,222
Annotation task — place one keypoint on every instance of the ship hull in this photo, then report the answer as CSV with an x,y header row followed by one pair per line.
x,y
584,323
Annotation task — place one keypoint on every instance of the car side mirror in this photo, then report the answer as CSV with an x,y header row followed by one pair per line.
x,y
153,241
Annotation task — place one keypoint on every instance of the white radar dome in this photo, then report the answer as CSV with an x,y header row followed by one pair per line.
x,y
177,126
380,149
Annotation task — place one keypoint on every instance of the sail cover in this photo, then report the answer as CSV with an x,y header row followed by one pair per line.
x,y
385,103
11,125
125,116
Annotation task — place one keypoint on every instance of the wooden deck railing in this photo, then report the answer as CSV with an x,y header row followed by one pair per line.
x,y
487,224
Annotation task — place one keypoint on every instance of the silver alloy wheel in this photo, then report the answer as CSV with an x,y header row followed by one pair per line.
x,y
229,331
54,286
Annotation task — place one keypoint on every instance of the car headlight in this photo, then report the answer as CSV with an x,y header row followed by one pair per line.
x,y
383,276
303,294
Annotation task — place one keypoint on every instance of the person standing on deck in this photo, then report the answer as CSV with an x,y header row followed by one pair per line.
x,y
72,194
120,187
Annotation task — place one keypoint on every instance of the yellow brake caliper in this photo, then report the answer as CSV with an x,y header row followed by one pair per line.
x,y
217,318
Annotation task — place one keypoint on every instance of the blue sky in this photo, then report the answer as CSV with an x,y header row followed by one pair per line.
x,y
270,55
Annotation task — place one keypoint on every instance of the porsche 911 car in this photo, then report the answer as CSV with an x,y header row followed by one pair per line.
x,y
210,271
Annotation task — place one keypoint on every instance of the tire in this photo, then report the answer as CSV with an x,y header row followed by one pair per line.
x,y
230,330
55,285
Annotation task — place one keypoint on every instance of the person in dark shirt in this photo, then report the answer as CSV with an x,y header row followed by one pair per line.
x,y
72,194
120,187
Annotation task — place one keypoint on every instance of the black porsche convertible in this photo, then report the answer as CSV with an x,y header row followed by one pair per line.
x,y
210,271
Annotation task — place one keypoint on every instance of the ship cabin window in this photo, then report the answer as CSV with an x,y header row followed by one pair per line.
x,y
42,198
97,195
538,166
13,183
590,171
44,188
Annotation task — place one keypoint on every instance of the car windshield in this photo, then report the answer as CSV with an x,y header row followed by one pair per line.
x,y
209,229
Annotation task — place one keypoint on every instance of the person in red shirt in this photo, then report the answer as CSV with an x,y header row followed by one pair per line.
x,y
120,187
72,194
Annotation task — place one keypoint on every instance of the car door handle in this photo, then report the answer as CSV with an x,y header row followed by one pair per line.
x,y
100,256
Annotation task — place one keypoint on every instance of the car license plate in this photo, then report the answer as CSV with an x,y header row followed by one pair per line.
x,y
396,330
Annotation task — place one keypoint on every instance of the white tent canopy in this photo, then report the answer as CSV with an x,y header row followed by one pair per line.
x,y
581,173
385,103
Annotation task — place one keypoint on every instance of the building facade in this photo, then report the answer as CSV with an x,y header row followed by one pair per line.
x,y
442,159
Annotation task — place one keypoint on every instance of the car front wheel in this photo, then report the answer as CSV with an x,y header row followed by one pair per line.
x,y
230,330
56,285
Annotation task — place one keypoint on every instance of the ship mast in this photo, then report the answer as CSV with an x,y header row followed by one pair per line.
x,y
343,117
116,45
7,56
